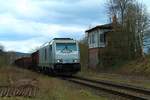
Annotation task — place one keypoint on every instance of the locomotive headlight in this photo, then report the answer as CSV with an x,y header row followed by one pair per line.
x,y
59,60
75,60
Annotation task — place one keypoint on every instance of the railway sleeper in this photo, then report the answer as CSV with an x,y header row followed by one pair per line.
x,y
26,91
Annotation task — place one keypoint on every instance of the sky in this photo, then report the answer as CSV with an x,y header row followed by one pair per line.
x,y
27,24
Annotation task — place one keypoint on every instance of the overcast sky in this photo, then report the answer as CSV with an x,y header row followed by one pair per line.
x,y
27,24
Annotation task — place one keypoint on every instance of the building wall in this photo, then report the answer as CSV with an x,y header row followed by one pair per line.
x,y
93,57
97,48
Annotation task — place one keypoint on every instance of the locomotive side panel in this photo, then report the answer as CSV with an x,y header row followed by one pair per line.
x,y
46,56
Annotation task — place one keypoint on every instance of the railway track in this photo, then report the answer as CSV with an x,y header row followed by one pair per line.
x,y
21,87
125,90
25,91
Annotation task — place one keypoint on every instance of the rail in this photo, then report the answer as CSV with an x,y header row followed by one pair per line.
x,y
125,90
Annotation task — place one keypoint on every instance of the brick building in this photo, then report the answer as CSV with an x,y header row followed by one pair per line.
x,y
108,45
97,42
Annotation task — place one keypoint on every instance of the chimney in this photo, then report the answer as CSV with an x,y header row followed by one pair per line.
x,y
114,21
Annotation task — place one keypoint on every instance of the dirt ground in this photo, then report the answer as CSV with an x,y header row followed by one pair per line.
x,y
50,88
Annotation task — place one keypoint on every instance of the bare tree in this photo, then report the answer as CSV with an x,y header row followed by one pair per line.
x,y
118,8
134,21
137,23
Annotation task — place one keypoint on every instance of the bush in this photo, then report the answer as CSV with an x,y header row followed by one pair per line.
x,y
83,55
3,59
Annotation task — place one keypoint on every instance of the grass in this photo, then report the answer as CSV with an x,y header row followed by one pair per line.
x,y
58,90
83,54
135,72
128,79
50,88
139,67
3,60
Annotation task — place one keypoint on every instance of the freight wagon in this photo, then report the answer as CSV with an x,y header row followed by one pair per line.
x,y
24,62
35,60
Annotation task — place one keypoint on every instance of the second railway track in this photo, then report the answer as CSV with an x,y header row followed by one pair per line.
x,y
125,90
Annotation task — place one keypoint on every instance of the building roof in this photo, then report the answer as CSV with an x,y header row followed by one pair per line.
x,y
105,26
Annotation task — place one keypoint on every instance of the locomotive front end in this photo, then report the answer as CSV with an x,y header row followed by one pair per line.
x,y
67,57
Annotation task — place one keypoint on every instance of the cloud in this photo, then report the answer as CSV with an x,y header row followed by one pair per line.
x,y
80,12
26,46
147,3
55,11
34,22
25,35
17,26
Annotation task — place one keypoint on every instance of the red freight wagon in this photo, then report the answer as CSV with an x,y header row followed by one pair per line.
x,y
35,59
24,62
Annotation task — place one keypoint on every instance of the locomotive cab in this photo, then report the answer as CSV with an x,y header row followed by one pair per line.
x,y
67,58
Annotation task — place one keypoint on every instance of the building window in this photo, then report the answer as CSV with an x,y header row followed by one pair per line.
x,y
90,39
93,38
102,38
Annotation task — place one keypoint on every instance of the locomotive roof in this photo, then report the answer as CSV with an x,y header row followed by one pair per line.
x,y
62,39
56,39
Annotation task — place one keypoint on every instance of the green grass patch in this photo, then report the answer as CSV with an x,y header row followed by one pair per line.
x,y
3,60
50,88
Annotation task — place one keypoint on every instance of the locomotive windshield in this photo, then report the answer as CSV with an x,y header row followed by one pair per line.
x,y
66,46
